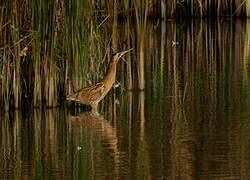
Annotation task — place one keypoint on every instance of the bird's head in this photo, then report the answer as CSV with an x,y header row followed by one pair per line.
x,y
117,56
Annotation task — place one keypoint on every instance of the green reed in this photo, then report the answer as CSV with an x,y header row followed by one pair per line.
x,y
75,50
10,53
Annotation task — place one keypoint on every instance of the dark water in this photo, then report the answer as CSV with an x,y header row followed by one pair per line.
x,y
191,122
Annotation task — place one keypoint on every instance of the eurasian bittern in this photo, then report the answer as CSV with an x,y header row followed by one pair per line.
x,y
93,94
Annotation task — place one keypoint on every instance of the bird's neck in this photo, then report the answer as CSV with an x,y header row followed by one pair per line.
x,y
109,78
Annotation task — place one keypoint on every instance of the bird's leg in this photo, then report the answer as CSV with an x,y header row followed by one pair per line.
x,y
94,107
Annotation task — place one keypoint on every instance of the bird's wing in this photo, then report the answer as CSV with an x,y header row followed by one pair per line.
x,y
90,93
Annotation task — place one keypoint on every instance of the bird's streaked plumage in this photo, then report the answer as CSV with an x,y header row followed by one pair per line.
x,y
93,94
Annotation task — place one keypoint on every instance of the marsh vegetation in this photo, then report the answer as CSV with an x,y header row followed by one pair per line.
x,y
51,48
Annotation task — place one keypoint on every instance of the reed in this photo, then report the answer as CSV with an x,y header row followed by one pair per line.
x,y
129,78
10,43
15,34
37,28
114,24
75,49
141,13
37,93
247,8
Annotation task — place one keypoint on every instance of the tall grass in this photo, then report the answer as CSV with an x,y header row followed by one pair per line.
x,y
248,8
141,13
129,59
10,54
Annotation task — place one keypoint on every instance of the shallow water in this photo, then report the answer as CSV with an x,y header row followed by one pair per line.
x,y
191,122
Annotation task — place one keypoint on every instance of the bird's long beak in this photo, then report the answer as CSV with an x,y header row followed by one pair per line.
x,y
125,52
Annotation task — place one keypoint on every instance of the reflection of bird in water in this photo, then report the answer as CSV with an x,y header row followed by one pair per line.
x,y
94,124
92,95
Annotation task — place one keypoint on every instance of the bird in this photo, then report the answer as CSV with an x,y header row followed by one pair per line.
x,y
93,94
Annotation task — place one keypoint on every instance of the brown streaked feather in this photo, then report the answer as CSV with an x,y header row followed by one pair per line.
x,y
87,94
92,95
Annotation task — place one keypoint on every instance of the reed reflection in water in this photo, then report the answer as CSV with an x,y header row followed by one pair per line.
x,y
191,122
